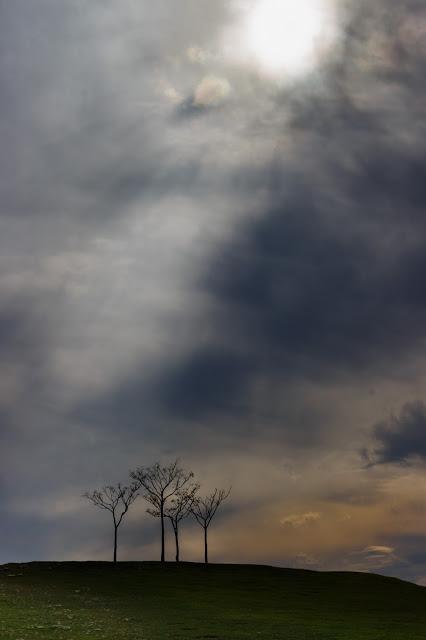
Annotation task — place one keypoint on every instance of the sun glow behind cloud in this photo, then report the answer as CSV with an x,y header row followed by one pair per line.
x,y
282,38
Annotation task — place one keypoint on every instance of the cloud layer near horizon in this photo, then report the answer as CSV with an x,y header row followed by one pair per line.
x,y
198,260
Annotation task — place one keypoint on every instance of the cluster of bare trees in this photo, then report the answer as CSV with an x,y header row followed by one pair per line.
x,y
172,494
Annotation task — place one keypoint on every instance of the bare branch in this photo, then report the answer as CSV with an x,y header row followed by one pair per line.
x,y
181,504
115,499
204,509
160,484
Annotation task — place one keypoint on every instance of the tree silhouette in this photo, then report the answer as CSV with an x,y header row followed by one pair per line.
x,y
160,485
204,510
180,507
115,499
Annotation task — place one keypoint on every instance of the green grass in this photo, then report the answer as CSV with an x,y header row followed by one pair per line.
x,y
147,601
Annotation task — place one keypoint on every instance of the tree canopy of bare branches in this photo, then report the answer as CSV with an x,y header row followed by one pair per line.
x,y
179,508
160,484
204,510
115,499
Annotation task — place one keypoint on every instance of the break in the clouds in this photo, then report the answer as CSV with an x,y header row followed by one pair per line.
x,y
219,257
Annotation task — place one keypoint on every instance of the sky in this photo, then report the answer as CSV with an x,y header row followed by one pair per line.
x,y
212,248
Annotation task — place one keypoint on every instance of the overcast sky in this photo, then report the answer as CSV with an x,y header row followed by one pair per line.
x,y
211,252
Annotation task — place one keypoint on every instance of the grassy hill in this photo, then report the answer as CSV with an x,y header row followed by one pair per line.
x,y
147,601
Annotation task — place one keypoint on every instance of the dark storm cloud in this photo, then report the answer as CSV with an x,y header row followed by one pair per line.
x,y
313,294
210,379
328,280
401,439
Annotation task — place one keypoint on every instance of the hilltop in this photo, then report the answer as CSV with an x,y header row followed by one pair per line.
x,y
148,601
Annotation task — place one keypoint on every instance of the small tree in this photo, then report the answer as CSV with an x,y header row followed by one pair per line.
x,y
115,499
160,485
204,510
180,507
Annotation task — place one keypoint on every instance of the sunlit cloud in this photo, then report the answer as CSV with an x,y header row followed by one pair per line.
x,y
211,92
301,520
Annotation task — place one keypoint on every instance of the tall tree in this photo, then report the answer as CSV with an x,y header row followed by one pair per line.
x,y
117,500
160,484
204,510
180,507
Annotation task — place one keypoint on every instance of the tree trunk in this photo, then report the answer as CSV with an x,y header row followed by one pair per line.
x,y
177,542
115,542
162,532
206,557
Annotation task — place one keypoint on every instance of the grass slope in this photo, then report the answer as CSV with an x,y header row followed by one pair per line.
x,y
147,601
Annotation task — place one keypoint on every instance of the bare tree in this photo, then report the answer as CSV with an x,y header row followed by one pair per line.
x,y
115,499
204,510
160,485
180,507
